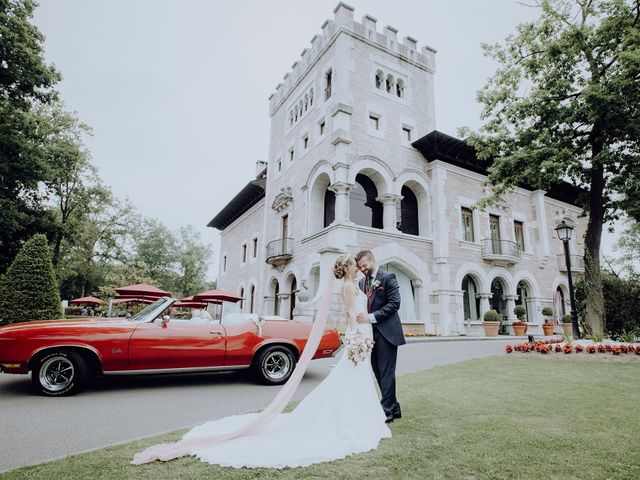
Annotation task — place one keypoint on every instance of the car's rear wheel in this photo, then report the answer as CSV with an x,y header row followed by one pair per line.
x,y
60,373
274,365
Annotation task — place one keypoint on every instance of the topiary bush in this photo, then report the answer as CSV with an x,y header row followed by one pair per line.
x,y
567,318
520,312
28,290
547,311
491,316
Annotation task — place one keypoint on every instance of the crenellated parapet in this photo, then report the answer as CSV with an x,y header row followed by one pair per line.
x,y
343,22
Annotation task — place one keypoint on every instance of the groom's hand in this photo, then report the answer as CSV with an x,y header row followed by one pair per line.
x,y
362,318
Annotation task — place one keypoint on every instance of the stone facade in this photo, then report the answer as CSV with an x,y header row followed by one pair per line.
x,y
344,174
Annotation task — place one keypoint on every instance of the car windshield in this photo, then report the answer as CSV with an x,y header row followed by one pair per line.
x,y
152,311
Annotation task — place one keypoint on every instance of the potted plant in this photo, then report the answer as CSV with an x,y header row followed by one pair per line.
x,y
567,325
519,326
547,326
491,323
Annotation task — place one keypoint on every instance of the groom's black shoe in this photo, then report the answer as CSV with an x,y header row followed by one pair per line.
x,y
389,418
396,415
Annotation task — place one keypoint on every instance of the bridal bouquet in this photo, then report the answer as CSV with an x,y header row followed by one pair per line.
x,y
358,346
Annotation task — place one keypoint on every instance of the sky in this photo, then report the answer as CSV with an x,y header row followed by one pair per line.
x,y
176,92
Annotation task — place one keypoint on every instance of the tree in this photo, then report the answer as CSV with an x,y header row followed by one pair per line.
x,y
25,80
629,246
193,262
29,290
565,105
157,247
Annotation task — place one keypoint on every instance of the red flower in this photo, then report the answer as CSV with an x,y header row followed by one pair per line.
x,y
591,349
579,348
568,348
508,348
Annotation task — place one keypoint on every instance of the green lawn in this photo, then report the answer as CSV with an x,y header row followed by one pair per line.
x,y
500,417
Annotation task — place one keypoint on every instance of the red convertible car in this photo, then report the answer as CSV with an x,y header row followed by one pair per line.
x,y
63,355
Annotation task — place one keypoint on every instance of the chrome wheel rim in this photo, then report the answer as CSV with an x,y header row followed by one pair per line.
x,y
56,373
276,365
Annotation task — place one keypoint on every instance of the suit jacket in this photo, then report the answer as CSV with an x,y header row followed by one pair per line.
x,y
385,302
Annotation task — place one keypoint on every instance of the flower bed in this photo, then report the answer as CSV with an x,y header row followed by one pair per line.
x,y
559,345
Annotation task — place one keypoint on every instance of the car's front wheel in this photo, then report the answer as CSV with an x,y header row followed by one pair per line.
x,y
274,365
60,373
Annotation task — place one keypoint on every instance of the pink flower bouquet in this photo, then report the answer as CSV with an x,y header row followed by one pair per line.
x,y
358,347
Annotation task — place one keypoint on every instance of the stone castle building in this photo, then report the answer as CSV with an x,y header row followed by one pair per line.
x,y
355,162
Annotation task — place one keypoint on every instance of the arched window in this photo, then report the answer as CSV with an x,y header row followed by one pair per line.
x,y
400,89
408,214
379,77
365,209
329,208
390,83
242,301
524,298
498,300
471,303
252,296
276,298
311,97
292,297
558,306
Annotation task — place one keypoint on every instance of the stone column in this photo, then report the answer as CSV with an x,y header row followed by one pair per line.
x,y
389,216
484,303
511,304
420,302
342,189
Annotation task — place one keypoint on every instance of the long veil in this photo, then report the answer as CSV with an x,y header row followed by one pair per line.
x,y
169,451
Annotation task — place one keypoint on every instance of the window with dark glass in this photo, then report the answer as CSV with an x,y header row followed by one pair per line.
x,y
327,84
374,122
276,299
305,142
406,132
255,247
518,230
329,208
322,125
224,263
242,297
467,225
252,296
471,302
292,298
244,252
365,209
494,229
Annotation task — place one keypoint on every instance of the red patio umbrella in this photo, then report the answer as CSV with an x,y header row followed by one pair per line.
x,y
118,300
86,301
141,289
188,302
216,296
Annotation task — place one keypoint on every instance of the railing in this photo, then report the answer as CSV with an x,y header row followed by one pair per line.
x,y
500,251
577,263
280,251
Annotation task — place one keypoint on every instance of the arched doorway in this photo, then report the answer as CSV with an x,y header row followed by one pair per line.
x,y
524,298
408,212
559,308
498,301
364,209
407,311
470,299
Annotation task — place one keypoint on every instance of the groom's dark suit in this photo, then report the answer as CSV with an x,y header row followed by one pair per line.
x,y
384,302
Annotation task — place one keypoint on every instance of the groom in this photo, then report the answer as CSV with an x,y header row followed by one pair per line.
x,y
383,300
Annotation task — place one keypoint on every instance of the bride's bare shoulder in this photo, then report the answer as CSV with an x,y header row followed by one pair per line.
x,y
349,288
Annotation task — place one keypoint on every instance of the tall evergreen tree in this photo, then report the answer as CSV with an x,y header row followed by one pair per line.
x,y
25,80
29,291
564,104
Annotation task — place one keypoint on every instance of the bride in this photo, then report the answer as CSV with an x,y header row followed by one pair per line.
x,y
341,416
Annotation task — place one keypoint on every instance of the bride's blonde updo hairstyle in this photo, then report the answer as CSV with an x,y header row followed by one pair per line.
x,y
341,267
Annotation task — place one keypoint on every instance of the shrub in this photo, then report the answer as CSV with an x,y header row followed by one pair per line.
x,y
28,290
620,302
491,316
519,311
567,318
547,311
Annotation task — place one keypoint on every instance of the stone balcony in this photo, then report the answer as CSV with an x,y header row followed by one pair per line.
x,y
577,263
279,252
500,252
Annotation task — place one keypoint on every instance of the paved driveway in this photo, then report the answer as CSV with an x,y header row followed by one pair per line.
x,y
118,410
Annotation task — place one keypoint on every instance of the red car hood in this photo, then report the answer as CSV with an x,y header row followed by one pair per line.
x,y
88,322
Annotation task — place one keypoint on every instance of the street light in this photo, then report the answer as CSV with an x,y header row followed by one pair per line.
x,y
564,233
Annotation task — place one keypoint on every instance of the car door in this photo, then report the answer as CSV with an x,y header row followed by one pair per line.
x,y
177,344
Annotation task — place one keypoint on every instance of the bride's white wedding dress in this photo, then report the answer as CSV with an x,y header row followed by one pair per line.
x,y
340,417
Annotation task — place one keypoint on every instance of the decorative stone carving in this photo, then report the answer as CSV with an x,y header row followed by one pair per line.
x,y
283,200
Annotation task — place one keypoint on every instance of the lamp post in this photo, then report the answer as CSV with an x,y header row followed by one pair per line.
x,y
564,233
